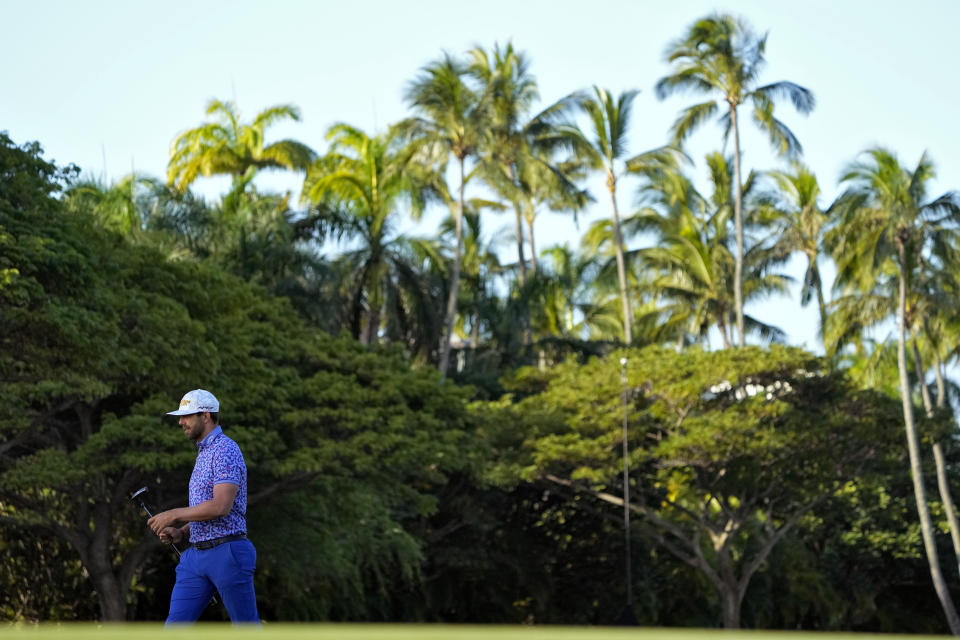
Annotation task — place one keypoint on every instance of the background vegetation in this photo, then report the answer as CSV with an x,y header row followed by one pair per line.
x,y
443,429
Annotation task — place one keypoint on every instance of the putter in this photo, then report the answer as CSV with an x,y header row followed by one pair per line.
x,y
138,496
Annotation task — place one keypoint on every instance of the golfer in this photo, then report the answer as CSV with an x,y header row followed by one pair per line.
x,y
220,555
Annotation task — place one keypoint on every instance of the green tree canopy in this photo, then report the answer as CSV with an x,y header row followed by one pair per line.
x,y
728,450
101,336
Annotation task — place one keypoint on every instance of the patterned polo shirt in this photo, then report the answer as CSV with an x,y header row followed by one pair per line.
x,y
218,460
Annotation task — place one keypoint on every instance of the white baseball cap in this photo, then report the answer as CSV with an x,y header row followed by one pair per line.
x,y
196,401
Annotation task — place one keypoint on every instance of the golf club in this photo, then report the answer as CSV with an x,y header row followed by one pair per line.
x,y
138,496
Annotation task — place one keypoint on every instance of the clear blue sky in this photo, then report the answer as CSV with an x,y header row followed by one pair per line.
x,y
107,85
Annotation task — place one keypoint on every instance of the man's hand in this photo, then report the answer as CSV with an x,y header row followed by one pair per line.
x,y
171,535
164,520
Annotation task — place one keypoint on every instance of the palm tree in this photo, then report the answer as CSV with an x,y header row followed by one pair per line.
x,y
605,148
720,55
480,272
544,184
452,117
571,309
118,206
803,225
520,145
693,256
362,182
511,89
226,146
890,227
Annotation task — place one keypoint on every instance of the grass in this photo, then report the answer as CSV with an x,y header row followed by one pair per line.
x,y
82,631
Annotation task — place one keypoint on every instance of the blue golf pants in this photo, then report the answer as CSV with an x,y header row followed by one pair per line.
x,y
228,568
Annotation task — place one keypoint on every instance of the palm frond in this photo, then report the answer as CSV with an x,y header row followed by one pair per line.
x,y
690,119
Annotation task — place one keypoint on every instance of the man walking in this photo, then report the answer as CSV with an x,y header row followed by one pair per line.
x,y
220,555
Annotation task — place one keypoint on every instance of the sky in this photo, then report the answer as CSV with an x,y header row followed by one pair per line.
x,y
107,85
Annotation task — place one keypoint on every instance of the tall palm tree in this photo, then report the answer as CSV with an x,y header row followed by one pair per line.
x,y
519,143
720,55
803,224
504,75
890,226
227,146
693,256
604,147
452,117
480,276
363,181
545,184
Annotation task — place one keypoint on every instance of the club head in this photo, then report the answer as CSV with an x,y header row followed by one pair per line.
x,y
139,492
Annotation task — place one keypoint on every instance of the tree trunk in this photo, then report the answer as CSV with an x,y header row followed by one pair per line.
x,y
621,266
521,260
941,385
722,326
943,483
738,223
112,597
823,314
732,600
93,545
371,330
922,379
916,469
533,244
454,283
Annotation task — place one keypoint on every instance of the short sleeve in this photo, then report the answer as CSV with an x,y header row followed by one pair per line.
x,y
228,466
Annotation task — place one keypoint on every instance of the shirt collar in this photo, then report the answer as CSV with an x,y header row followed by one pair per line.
x,y
211,438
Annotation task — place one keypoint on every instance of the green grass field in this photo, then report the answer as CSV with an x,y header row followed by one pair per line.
x,y
401,632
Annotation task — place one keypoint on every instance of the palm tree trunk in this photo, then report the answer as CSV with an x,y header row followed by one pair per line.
x,y
916,469
723,334
533,246
921,379
454,283
938,370
738,223
941,384
521,260
371,330
621,266
823,314
942,483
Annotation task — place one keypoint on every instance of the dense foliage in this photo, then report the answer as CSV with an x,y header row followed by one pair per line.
x,y
437,432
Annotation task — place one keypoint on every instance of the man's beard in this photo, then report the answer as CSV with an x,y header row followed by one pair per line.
x,y
195,429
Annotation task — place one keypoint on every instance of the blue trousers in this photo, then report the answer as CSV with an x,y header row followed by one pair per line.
x,y
228,568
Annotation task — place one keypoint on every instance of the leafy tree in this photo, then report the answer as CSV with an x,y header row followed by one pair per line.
x,y
115,206
729,450
720,55
100,334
